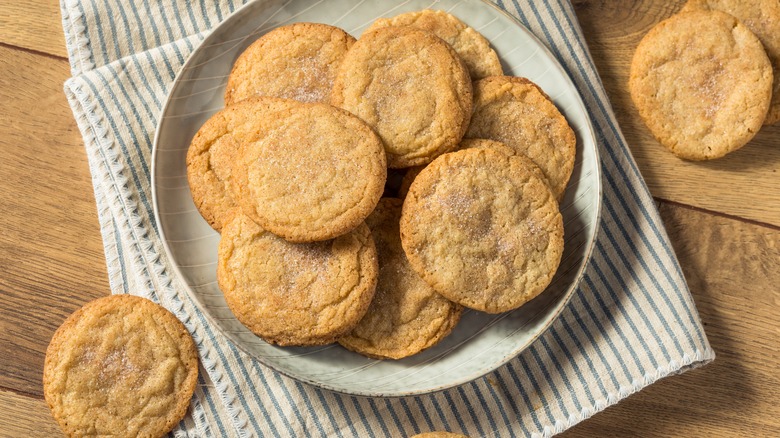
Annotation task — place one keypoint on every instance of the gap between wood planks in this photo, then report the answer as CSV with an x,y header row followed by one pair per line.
x,y
33,52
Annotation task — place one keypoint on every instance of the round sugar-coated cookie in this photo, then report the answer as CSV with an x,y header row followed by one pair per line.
x,y
481,60
762,17
298,61
210,158
120,366
411,87
702,84
406,315
470,143
296,293
516,112
308,171
482,229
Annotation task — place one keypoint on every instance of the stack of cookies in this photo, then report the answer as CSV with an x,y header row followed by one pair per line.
x,y
706,79
293,171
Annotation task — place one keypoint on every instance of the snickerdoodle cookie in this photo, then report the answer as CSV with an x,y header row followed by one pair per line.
x,y
120,366
296,293
308,171
298,61
516,112
702,84
411,87
406,315
210,159
481,61
482,229
762,17
471,143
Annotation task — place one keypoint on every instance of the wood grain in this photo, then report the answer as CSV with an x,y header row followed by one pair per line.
x,y
51,253
26,417
33,25
733,271
744,183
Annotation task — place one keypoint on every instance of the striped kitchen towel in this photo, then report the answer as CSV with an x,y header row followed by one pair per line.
x,y
631,321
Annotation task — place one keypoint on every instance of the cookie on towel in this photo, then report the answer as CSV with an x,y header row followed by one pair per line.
x,y
406,315
308,171
702,84
516,112
296,293
120,366
411,88
481,61
482,229
298,61
762,17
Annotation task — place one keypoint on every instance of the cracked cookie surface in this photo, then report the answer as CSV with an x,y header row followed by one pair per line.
x,y
406,315
762,17
296,293
702,84
411,88
120,366
210,158
298,61
308,171
516,112
471,143
482,230
480,60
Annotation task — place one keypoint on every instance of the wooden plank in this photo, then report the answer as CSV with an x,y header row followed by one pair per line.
x,y
26,417
745,183
51,253
33,25
733,269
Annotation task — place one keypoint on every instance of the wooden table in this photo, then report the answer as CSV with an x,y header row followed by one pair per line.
x,y
723,218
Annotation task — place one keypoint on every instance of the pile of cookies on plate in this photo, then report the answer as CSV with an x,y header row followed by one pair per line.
x,y
315,246
706,79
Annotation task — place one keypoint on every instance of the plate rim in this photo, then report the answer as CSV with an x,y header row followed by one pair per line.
x,y
566,297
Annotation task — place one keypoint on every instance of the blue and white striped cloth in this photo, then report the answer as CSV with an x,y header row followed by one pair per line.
x,y
631,322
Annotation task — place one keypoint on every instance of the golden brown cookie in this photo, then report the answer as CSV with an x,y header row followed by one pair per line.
x,y
298,61
308,171
411,87
516,112
702,84
482,229
406,315
120,366
467,143
481,61
210,159
762,17
296,293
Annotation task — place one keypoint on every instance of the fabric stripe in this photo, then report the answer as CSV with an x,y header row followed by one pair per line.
x,y
511,396
629,321
483,404
363,417
581,348
501,410
408,412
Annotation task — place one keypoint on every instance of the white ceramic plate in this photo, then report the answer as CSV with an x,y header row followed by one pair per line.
x,y
481,342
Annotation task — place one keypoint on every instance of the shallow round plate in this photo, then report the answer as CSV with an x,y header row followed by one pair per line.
x,y
481,342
